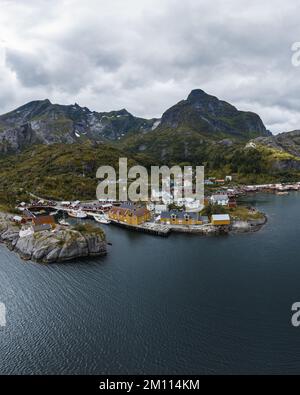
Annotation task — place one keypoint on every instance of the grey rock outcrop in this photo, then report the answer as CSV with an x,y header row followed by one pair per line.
x,y
286,142
248,226
60,245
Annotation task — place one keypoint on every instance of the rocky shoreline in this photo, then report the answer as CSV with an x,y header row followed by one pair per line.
x,y
248,226
67,244
202,230
237,226
59,245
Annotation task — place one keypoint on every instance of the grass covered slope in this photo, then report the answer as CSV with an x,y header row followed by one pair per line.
x,y
220,157
57,171
68,172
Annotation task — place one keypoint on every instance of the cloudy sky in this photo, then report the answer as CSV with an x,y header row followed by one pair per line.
x,y
146,55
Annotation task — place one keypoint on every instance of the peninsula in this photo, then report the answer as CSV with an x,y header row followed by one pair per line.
x,y
57,245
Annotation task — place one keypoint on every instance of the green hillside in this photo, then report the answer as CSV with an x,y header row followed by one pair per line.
x,y
68,172
57,171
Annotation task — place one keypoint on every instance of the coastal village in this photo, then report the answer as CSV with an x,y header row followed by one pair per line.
x,y
49,231
218,213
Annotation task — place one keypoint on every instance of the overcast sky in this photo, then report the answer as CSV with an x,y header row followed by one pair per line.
x,y
146,55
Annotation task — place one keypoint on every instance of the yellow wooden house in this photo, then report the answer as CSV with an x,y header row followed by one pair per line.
x,y
220,219
130,214
175,217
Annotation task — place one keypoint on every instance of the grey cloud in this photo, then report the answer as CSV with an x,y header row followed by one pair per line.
x,y
148,55
68,73
29,68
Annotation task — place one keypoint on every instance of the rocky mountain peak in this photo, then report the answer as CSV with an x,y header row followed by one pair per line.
x,y
211,104
197,95
24,113
212,117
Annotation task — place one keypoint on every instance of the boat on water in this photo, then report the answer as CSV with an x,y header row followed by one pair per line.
x,y
63,222
282,193
102,219
77,214
54,212
92,214
40,212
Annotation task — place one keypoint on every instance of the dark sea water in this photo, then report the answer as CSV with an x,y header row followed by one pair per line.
x,y
184,304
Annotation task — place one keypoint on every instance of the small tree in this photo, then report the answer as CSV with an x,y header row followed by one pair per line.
x,y
212,209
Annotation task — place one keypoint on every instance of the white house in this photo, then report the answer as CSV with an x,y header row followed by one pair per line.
x,y
167,198
150,206
159,208
17,219
221,200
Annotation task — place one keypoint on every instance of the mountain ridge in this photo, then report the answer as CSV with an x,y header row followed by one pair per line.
x,y
47,123
50,123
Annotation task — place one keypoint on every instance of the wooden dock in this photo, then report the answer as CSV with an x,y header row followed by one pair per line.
x,y
147,227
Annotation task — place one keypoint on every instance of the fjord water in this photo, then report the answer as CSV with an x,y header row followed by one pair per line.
x,y
185,304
